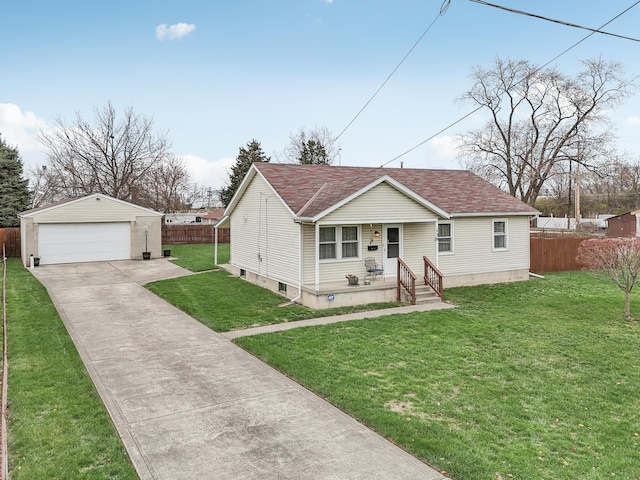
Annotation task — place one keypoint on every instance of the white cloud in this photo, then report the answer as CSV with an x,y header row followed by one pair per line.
x,y
444,148
208,173
21,129
174,32
634,120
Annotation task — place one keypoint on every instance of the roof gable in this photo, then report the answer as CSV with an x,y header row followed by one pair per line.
x,y
70,201
312,191
383,179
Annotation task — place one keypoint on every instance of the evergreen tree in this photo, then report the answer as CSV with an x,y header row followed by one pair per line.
x,y
314,153
246,157
312,147
14,190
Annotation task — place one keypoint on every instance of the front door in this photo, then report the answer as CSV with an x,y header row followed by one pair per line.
x,y
392,248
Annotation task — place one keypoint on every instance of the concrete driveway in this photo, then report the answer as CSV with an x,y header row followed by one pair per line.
x,y
189,404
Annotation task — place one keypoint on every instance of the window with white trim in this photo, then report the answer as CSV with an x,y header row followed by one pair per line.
x,y
500,235
350,242
445,237
327,246
339,242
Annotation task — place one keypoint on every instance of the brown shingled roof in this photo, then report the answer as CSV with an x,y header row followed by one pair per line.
x,y
215,214
311,189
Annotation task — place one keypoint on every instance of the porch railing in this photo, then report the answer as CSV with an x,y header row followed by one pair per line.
x,y
407,280
432,277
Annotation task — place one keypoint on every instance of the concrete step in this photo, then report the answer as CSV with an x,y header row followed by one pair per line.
x,y
424,295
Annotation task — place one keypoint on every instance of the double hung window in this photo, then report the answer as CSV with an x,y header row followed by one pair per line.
x,y
500,235
445,237
339,242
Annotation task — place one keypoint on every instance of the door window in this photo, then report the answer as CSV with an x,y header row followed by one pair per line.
x,y
393,242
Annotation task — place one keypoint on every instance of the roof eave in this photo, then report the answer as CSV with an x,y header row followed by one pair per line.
x,y
495,214
395,184
222,222
251,173
37,211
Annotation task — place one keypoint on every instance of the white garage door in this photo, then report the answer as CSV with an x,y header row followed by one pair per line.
x,y
83,242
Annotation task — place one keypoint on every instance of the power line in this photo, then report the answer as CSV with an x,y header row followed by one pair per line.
x,y
464,117
537,70
548,19
443,10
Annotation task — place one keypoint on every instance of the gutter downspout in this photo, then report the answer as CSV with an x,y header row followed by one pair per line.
x,y
300,256
215,245
317,256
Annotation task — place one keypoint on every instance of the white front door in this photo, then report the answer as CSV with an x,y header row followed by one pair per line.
x,y
392,248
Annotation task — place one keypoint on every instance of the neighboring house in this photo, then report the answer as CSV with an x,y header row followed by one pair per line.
x,y
300,229
624,225
213,217
182,218
560,223
89,229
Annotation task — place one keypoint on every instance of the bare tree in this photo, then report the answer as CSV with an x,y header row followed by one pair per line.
x,y
538,118
166,187
110,155
313,147
44,185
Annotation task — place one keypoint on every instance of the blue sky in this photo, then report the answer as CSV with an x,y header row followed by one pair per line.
x,y
226,72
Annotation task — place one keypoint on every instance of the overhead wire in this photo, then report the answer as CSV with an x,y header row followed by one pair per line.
x,y
548,19
535,71
445,5
443,10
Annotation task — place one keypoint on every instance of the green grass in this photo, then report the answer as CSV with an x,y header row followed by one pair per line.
x,y
224,302
198,257
58,426
536,380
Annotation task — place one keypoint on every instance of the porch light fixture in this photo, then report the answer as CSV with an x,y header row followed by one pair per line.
x,y
376,234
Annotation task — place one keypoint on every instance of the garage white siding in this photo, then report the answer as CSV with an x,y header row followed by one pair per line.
x,y
83,242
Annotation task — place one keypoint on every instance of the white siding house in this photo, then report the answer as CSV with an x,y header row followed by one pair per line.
x,y
300,229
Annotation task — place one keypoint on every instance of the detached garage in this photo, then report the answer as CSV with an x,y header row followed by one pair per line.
x,y
90,229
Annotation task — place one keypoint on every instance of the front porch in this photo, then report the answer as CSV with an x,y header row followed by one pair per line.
x,y
410,288
341,294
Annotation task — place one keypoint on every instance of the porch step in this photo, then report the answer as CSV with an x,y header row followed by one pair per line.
x,y
424,295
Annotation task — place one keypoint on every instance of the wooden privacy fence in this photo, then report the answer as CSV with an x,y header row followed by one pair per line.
x,y
10,238
553,252
188,234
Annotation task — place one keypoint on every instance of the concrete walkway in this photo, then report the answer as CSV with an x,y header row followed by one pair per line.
x,y
189,404
312,322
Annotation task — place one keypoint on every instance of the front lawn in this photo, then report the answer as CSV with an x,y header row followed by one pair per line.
x,y
224,302
58,426
534,380
198,257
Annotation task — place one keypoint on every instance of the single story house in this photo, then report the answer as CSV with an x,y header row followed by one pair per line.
x,y
624,225
182,218
89,229
300,229
213,217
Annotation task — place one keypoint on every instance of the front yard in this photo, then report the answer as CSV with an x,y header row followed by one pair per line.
x,y
534,380
223,302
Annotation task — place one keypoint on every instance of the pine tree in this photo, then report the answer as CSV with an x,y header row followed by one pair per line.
x,y
15,196
314,153
246,157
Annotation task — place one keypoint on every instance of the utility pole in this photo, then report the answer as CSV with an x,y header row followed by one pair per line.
x,y
570,194
578,217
